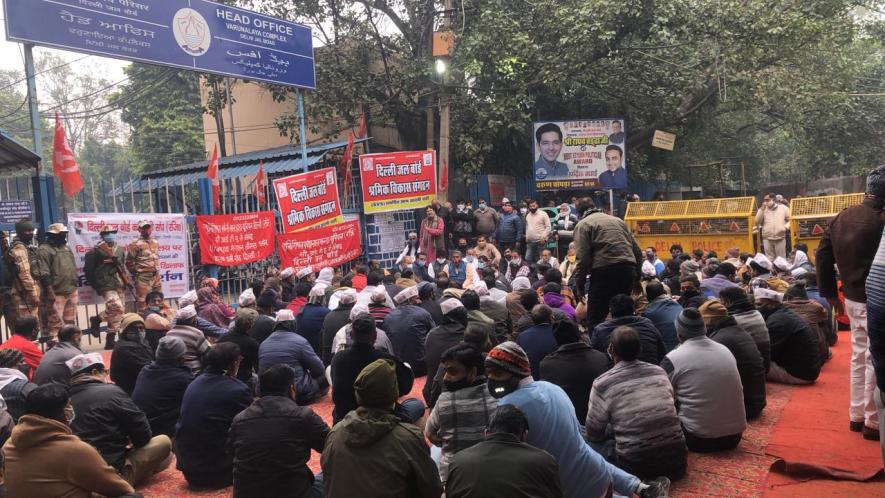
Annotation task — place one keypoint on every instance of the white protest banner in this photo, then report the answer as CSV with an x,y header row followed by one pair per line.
x,y
170,230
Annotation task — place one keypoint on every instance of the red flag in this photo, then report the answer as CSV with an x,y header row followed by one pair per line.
x,y
346,166
444,176
63,162
259,188
363,126
212,174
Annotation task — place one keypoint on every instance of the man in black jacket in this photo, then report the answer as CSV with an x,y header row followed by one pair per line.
x,y
440,339
574,366
333,322
347,365
271,441
106,418
160,386
504,465
795,354
131,353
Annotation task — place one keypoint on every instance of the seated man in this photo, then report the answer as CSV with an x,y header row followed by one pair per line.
x,y
538,341
15,384
796,300
439,340
52,367
107,419
157,318
504,465
623,314
708,388
690,295
407,327
464,407
209,406
583,471
724,278
160,386
347,365
749,320
795,352
43,457
195,343
634,403
573,366
662,310
23,337
725,330
287,347
131,353
271,441
372,453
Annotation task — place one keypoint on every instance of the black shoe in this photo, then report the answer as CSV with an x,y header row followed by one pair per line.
x,y
656,489
870,434
94,325
109,341
855,426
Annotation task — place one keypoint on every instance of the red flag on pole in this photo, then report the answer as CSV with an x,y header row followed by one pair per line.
x,y
346,165
444,176
363,126
260,186
63,162
212,174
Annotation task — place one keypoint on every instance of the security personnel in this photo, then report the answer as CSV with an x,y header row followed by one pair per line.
x,y
58,259
104,271
143,262
26,273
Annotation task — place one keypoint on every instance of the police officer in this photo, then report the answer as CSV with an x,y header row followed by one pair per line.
x,y
26,273
143,262
104,271
58,260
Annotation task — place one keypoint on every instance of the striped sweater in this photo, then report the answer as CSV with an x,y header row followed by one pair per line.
x,y
459,420
875,289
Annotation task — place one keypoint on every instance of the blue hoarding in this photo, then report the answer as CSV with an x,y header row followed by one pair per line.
x,y
191,34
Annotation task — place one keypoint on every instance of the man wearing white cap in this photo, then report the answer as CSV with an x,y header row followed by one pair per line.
x,y
108,419
194,339
61,279
335,320
408,326
286,346
287,282
445,335
310,320
795,353
374,280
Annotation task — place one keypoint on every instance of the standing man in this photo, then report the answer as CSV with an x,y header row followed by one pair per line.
x,y
104,271
773,218
851,242
537,231
510,230
608,254
486,220
26,274
57,258
143,262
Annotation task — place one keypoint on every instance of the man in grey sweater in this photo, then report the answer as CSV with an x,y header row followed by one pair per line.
x,y
707,386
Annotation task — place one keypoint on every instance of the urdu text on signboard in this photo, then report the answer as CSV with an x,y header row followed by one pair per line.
x,y
191,34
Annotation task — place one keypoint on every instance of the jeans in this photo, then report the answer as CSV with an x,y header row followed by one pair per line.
x,y
863,378
533,252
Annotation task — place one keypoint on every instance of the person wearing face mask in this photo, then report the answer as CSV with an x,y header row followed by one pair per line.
x,y
14,384
516,267
774,219
158,316
462,218
421,269
108,419
43,457
61,280
510,230
432,236
567,267
464,408
555,429
440,264
52,367
486,220
103,268
27,274
411,248
143,262
131,353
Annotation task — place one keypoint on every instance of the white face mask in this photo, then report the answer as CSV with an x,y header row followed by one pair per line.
x,y
469,259
440,260
460,206
523,210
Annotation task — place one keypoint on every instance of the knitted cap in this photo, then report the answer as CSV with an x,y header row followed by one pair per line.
x,y
376,386
876,182
450,305
186,313
23,225
713,312
11,358
406,294
510,357
170,348
129,319
690,325
247,298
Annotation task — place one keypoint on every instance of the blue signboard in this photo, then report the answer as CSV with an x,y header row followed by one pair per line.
x,y
192,34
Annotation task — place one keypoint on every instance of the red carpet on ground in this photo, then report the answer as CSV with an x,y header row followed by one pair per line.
x,y
812,437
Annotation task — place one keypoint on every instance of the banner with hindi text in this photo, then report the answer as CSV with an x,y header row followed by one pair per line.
x,y
235,239
308,199
395,181
320,247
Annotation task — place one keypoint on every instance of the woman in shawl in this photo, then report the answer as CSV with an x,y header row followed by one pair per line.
x,y
432,238
211,308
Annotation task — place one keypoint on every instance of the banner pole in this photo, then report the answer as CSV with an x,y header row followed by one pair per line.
x,y
302,125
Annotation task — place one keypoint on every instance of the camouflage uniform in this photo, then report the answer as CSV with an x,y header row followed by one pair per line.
x,y
143,262
59,261
25,290
103,276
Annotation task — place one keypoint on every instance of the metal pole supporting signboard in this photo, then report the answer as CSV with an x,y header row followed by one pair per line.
x,y
302,125
31,76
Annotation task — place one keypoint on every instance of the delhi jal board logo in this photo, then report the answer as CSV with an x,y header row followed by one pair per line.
x,y
817,230
367,164
644,228
191,32
675,228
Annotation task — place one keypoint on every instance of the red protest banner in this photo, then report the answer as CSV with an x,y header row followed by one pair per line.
x,y
397,180
235,239
320,247
308,199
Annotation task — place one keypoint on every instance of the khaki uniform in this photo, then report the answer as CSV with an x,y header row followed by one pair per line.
x,y
143,262
25,290
104,278
59,261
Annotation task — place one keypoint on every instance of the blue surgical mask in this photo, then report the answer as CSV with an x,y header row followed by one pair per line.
x,y
155,309
469,259
110,238
480,265
482,205
419,263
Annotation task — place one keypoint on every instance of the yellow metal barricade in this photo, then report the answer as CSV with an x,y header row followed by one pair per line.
x,y
707,224
810,217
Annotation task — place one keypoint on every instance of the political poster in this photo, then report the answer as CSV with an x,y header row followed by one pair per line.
x,y
235,239
579,154
308,200
396,181
170,230
330,246
501,186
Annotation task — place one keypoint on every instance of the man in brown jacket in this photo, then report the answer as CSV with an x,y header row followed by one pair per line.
x,y
43,457
851,242
773,218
